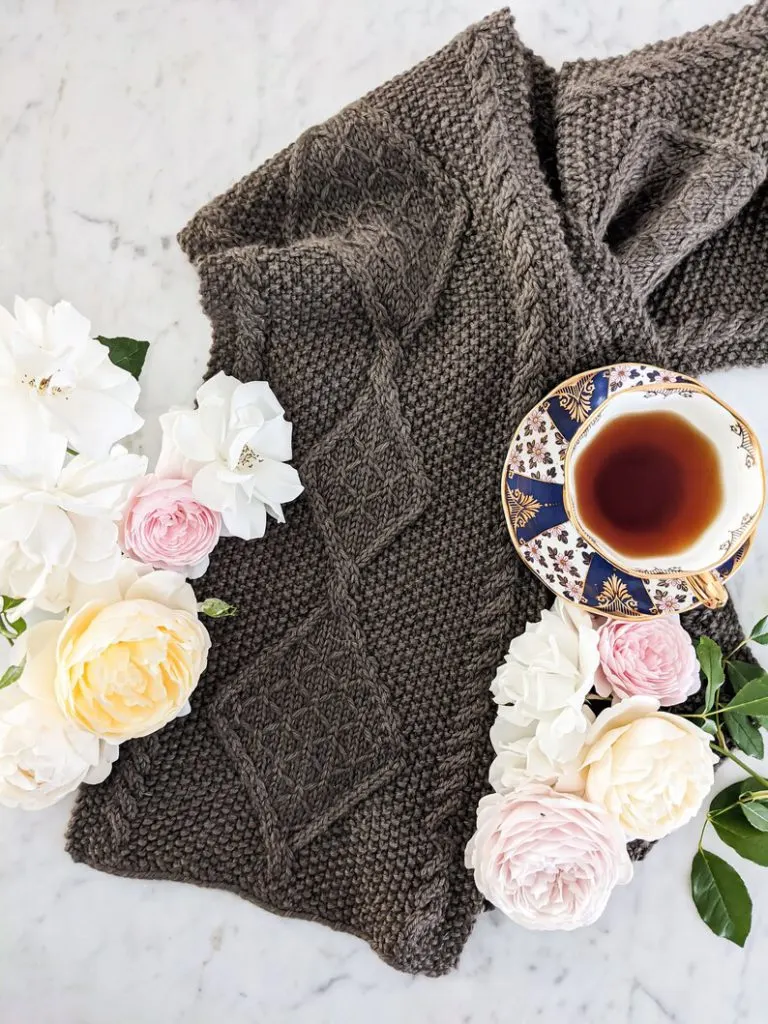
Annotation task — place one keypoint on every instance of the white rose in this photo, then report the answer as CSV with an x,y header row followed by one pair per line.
x,y
651,770
547,750
58,521
54,376
234,448
42,755
126,659
551,665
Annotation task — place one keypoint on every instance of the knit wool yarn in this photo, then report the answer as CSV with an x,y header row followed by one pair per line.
x,y
411,277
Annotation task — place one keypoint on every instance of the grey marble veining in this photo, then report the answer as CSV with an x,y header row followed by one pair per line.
x,y
117,121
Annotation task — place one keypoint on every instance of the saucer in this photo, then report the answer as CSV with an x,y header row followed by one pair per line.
x,y
545,538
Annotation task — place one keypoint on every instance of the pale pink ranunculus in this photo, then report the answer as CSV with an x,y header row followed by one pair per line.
x,y
651,658
165,526
547,860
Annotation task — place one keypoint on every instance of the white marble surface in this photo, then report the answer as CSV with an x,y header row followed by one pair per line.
x,y
117,121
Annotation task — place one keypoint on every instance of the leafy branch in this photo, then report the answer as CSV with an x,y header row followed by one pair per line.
x,y
738,814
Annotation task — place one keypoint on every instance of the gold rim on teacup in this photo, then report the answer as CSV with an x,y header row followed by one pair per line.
x,y
705,583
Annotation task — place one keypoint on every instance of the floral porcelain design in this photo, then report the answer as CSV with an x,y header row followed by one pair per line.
x,y
547,541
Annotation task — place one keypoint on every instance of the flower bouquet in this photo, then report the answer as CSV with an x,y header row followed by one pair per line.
x,y
101,640
587,762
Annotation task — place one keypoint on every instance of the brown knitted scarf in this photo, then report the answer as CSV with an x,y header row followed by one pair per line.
x,y
411,277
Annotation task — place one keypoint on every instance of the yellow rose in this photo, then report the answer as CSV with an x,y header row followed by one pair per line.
x,y
125,661
649,769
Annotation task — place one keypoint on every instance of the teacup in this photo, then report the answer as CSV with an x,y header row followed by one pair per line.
x,y
661,506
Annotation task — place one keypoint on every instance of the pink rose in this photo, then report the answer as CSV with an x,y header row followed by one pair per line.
x,y
547,860
653,658
167,527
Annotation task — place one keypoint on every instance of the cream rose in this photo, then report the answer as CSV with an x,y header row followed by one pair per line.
x,y
43,757
127,658
651,770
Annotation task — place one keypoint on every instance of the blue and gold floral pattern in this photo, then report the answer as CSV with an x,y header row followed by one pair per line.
x,y
615,596
522,507
611,592
545,538
573,402
534,505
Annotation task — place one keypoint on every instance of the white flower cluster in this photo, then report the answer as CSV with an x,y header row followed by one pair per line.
x,y
88,536
234,448
568,783
60,393
543,720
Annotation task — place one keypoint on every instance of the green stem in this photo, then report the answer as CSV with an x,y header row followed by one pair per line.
x,y
711,815
720,735
738,647
757,794
737,760
701,834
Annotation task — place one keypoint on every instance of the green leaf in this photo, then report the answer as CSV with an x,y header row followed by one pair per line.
x,y
11,630
751,699
127,353
7,629
726,796
759,632
755,811
215,608
756,814
711,660
734,829
709,727
721,897
745,734
9,603
740,673
11,675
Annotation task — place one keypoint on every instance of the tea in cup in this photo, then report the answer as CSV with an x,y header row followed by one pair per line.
x,y
666,480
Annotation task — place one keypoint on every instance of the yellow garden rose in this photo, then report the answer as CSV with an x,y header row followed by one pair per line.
x,y
128,656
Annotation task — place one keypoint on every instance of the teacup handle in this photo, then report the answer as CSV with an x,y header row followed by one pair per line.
x,y
709,590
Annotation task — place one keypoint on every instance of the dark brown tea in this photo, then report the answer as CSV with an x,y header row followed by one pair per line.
x,y
649,484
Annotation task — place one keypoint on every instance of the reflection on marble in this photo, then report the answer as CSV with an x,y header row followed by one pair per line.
x,y
118,120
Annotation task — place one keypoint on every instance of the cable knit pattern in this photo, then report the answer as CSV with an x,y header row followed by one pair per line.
x,y
411,277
